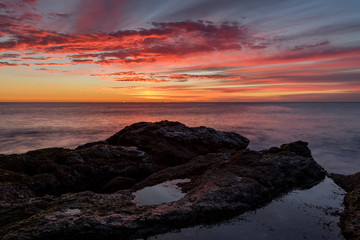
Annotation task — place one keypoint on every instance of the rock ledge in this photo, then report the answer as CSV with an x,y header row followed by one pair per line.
x,y
87,193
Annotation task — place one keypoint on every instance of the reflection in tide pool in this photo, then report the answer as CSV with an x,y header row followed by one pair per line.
x,y
161,193
302,214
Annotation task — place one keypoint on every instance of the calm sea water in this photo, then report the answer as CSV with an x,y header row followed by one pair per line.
x,y
302,214
332,129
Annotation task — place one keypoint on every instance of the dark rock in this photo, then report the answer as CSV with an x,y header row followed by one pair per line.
x,y
171,143
118,183
87,145
350,217
274,150
298,147
58,171
348,183
59,193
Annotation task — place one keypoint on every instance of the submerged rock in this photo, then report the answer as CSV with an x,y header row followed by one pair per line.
x,y
350,217
87,193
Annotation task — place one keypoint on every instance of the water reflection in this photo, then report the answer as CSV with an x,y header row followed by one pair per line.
x,y
307,214
161,193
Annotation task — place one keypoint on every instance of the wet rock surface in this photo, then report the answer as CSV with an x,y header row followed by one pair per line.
x,y
87,193
350,217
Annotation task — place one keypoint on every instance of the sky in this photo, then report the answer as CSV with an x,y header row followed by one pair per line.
x,y
179,51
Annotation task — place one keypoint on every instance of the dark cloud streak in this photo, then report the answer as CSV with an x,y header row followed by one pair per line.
x,y
135,46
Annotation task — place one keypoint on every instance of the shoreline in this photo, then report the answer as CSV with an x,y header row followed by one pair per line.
x,y
196,153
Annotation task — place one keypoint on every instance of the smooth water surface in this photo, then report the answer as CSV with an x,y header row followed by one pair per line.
x,y
332,129
307,214
160,193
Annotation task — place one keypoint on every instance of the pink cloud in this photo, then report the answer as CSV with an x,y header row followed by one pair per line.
x,y
165,40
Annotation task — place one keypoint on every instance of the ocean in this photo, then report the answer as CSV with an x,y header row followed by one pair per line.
x,y
332,130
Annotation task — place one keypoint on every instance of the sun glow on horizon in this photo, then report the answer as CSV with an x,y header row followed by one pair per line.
x,y
55,52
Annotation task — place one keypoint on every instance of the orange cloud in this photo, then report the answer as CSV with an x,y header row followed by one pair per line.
x,y
175,61
159,43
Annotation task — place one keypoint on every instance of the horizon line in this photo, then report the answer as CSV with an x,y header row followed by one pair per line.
x,y
176,102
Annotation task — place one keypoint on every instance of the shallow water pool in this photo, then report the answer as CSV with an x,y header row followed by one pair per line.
x,y
299,215
161,193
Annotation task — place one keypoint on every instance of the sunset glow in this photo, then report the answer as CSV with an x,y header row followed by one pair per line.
x,y
179,51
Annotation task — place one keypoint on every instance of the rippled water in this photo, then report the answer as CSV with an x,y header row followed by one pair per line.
x,y
332,129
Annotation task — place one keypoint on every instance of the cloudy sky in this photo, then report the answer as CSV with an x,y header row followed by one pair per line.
x,y
171,50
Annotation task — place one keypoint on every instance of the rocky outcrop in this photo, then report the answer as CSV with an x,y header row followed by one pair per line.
x,y
350,217
171,143
87,193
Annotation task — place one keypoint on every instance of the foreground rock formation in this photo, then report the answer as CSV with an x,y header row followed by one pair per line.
x,y
350,217
87,193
